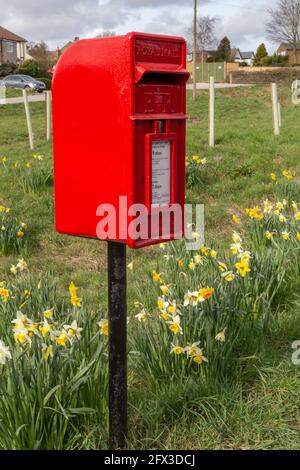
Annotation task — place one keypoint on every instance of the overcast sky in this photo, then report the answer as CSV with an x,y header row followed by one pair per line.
x,y
58,21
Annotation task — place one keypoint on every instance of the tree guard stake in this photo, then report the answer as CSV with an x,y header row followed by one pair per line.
x,y
117,325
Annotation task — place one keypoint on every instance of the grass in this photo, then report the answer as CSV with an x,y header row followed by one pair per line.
x,y
261,409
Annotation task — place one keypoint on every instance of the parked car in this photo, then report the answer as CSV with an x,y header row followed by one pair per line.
x,y
23,81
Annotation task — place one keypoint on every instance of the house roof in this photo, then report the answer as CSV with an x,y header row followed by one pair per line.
x,y
247,55
234,52
9,36
287,46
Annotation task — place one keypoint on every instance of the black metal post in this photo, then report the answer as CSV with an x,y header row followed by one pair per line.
x,y
117,311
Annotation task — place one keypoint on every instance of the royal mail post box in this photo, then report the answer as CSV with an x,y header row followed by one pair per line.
x,y
119,125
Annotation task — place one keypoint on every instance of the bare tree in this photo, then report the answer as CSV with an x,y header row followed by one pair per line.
x,y
206,38
195,50
284,23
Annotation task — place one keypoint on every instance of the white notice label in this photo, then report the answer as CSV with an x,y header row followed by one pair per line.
x,y
161,153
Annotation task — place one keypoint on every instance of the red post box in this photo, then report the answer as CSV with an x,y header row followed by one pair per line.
x,y
119,125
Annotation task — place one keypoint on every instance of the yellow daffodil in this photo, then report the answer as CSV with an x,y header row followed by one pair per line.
x,y
62,339
20,233
174,325
103,324
165,288
130,266
204,250
199,358
45,328
282,219
48,313
141,317
176,349
295,206
286,235
192,265
221,336
298,237
74,299
4,294
73,330
222,267
180,263
273,177
191,298
268,207
236,238
47,352
235,219
192,349
22,337
213,254
206,294
229,276
255,213
243,268
297,215
236,248
156,277
269,235
287,175
164,315
162,303
245,256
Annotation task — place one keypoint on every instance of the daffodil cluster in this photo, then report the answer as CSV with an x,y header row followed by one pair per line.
x,y
12,232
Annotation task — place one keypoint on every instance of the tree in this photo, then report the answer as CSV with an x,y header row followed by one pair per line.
x,y
206,38
195,50
106,34
39,52
284,23
224,50
30,67
261,53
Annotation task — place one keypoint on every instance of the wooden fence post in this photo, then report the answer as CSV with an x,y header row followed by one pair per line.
x,y
28,119
48,114
212,112
276,124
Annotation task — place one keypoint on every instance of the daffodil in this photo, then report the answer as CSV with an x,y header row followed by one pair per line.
x,y
282,219
176,349
213,254
298,237
206,293
268,207
162,303
47,352
236,248
222,267
180,263
245,256
204,250
73,330
297,216
255,213
156,277
286,235
269,235
235,220
5,354
141,317
48,313
174,325
4,294
22,337
243,268
22,321
287,175
273,177
220,337
191,298
22,265
295,206
236,238
199,358
191,349
192,265
165,288
103,324
62,338
20,233
74,299
198,259
45,328
130,266
228,276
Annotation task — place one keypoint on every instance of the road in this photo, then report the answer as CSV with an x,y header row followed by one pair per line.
x,y
205,86
19,99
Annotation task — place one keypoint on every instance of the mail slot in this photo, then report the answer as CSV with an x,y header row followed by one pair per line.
x,y
119,126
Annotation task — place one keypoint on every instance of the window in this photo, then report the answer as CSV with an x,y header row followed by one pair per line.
x,y
10,47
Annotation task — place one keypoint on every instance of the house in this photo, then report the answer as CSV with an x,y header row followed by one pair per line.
x,y
12,47
242,57
202,56
287,50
